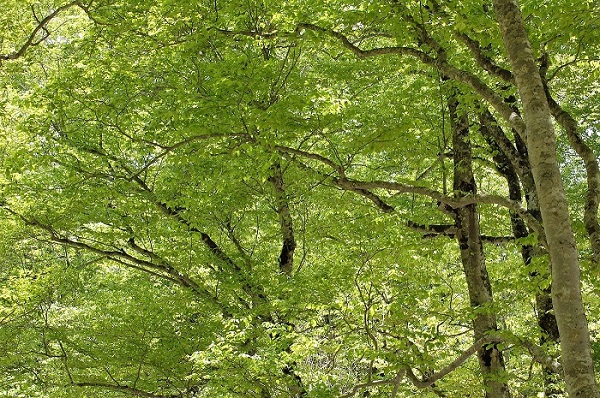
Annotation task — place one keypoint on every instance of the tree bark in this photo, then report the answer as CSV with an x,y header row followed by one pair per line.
x,y
541,145
491,361
543,300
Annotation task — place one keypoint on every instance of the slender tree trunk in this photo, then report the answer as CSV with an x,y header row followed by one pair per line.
x,y
541,144
543,300
286,263
468,234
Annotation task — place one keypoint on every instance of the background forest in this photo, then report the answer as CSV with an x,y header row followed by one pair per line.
x,y
259,198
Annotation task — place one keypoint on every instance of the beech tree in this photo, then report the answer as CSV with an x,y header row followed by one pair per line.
x,y
299,199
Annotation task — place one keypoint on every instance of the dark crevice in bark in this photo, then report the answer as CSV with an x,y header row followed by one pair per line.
x,y
286,257
286,261
449,230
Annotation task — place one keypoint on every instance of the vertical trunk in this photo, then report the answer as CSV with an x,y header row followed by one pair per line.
x,y
468,234
286,257
541,144
286,262
543,301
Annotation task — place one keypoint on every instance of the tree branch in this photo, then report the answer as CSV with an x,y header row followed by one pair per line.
x,y
440,63
41,26
125,389
160,268
429,381
483,60
380,203
450,201
454,365
170,148
449,230
592,198
364,188
375,383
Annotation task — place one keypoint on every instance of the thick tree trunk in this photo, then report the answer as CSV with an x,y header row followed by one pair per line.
x,y
468,233
541,145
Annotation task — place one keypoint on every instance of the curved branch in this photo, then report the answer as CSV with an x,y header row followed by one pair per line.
x,y
364,188
380,203
462,76
157,267
375,383
166,149
31,42
450,201
454,364
310,155
449,230
429,381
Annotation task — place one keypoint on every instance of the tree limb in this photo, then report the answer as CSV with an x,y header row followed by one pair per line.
x,y
160,268
429,381
590,161
449,230
483,60
440,63
41,26
450,201
125,389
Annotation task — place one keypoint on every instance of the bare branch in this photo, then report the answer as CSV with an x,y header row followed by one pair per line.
x,y
449,230
429,381
310,155
170,148
450,201
375,383
364,188
435,229
160,268
454,365
380,203
483,60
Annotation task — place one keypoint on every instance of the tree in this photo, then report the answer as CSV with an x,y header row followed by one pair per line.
x,y
572,324
220,199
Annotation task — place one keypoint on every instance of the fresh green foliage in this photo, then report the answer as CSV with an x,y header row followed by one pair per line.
x,y
143,221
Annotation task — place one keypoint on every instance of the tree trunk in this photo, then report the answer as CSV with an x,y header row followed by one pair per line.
x,y
541,145
543,301
468,233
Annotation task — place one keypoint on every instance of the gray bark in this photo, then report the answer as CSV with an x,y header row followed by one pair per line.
x,y
541,145
543,300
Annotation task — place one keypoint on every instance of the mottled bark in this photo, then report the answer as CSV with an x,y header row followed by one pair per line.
x,y
541,144
286,257
543,300
286,263
468,234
